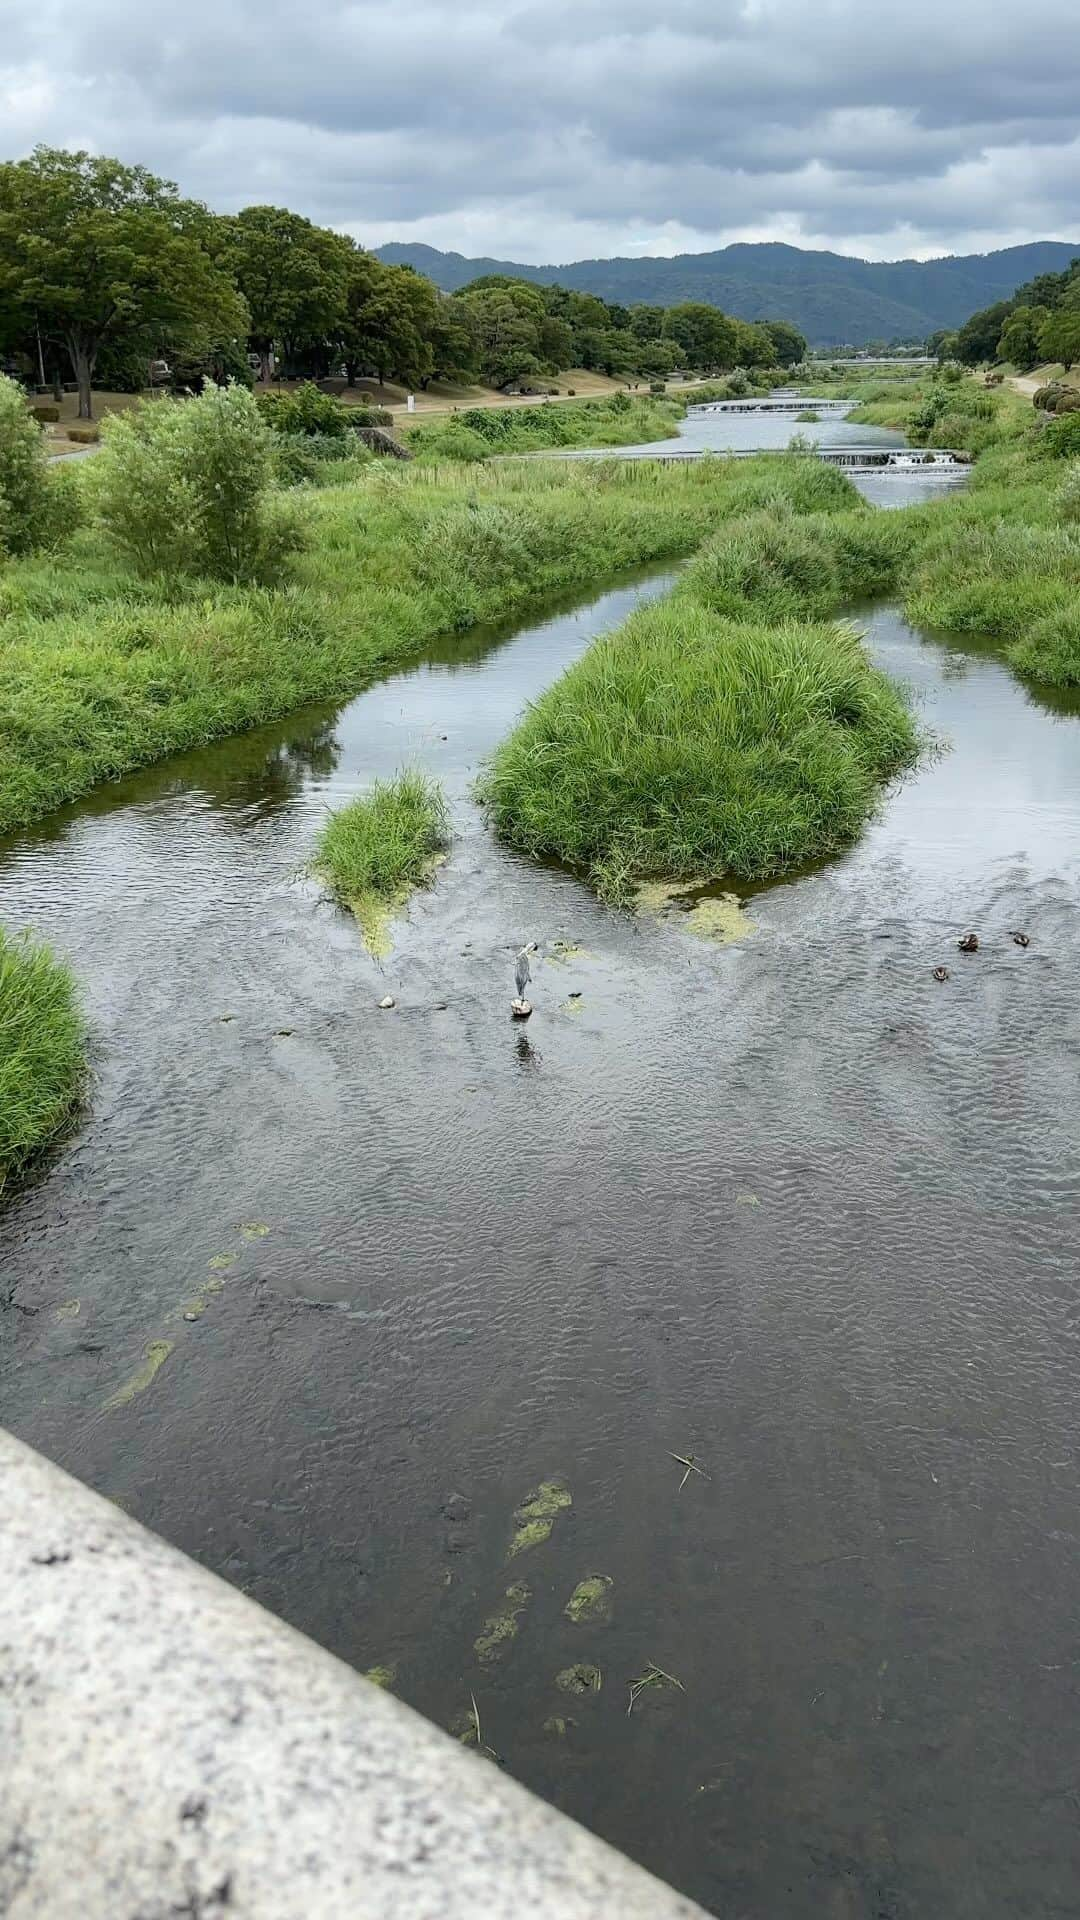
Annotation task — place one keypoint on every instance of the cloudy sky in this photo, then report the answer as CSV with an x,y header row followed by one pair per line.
x,y
558,129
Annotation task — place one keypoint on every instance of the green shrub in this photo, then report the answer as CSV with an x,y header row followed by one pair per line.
x,y
38,508
306,409
84,436
1061,436
307,459
182,487
655,386
384,843
45,416
42,1050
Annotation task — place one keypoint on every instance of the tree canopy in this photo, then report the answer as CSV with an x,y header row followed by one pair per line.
x,y
90,248
106,263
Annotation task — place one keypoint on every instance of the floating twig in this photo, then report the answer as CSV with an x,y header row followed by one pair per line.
x,y
688,1461
653,1676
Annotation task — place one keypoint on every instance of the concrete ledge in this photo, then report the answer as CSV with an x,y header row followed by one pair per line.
x,y
168,1748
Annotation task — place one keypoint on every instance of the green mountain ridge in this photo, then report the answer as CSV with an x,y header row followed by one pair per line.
x,y
832,297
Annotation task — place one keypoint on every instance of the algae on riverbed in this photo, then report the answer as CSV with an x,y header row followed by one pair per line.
x,y
536,1516
156,1355
501,1626
591,1599
580,1678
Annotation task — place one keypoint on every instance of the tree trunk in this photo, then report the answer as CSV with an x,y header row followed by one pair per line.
x,y
82,358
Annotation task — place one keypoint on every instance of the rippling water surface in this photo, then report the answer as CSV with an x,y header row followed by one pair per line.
x,y
789,1207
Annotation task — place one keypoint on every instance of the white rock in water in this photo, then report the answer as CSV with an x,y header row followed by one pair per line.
x,y
388,1002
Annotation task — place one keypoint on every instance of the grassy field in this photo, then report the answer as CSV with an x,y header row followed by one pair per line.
x,y
42,1051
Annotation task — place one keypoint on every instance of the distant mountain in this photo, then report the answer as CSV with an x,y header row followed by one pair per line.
x,y
830,297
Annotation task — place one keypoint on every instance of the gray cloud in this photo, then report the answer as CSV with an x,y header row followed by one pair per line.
x,y
548,132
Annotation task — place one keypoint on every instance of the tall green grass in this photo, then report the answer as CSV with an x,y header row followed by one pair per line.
x,y
384,843
42,1051
693,745
101,673
479,432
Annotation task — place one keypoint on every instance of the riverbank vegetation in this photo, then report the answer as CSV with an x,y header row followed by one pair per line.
x,y
479,432
725,732
42,1051
107,665
375,851
731,731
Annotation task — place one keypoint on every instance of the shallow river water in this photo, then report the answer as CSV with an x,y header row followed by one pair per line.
x,y
790,1207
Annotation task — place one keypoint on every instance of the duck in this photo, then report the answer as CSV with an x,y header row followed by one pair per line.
x,y
969,943
1019,939
941,973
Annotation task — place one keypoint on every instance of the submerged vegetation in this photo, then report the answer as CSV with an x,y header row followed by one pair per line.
x,y
42,1051
373,852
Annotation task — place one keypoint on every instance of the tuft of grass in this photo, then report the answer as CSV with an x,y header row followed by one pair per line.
x,y
382,845
42,1051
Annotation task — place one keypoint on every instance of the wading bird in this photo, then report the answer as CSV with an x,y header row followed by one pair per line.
x,y
520,1007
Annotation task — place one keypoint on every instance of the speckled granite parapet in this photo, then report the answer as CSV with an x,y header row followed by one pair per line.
x,y
168,1748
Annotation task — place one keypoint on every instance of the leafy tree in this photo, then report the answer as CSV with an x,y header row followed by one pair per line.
x,y
646,323
978,337
1059,338
753,344
293,276
508,321
705,335
1019,341
90,248
789,344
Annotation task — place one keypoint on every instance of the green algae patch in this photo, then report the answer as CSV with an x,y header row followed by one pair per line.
x,y
68,1310
536,1516
253,1229
219,1262
561,952
579,1679
720,917
591,1599
382,1676
574,1005
501,1627
156,1355
555,1726
747,1199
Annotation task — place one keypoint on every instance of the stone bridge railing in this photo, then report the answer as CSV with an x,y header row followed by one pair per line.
x,y
167,1748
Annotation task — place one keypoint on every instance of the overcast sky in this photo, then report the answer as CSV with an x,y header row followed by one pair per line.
x,y
560,129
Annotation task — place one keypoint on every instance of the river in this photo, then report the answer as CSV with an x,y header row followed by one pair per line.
x,y
788,1207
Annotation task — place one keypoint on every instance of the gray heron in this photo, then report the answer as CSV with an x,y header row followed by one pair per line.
x,y
522,973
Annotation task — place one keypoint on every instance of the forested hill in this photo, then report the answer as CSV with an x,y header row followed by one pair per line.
x,y
830,297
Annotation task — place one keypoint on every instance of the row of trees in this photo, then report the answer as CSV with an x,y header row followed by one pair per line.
x,y
1041,322
112,267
